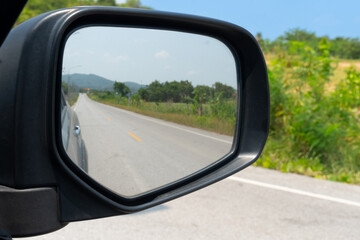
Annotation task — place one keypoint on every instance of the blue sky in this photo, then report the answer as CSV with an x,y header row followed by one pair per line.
x,y
145,55
272,18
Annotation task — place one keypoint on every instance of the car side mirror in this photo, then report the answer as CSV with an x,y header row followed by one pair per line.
x,y
167,104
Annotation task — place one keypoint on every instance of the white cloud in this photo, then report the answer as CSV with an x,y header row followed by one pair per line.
x,y
112,58
120,1
162,54
121,58
191,73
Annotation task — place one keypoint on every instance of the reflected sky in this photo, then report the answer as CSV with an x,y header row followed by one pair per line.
x,y
144,55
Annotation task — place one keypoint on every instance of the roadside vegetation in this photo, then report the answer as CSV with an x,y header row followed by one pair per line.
x,y
339,47
210,108
315,111
71,93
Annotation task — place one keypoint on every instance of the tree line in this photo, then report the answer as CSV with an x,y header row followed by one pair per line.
x,y
180,92
339,47
220,98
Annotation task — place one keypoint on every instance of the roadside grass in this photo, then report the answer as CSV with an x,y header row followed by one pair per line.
x,y
321,138
72,98
340,66
177,113
278,155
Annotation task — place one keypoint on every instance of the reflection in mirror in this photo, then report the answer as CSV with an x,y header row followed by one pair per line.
x,y
142,108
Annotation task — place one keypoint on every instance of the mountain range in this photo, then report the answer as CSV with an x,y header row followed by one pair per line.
x,y
95,82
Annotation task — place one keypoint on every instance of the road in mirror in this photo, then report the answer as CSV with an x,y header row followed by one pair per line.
x,y
142,108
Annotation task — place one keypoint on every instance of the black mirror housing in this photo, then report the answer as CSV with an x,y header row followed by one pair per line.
x,y
30,70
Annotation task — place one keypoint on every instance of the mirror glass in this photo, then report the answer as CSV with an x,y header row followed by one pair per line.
x,y
141,108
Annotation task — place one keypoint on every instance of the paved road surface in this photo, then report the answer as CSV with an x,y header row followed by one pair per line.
x,y
232,209
131,153
253,204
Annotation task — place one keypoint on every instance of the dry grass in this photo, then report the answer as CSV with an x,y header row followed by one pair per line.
x,y
210,124
340,72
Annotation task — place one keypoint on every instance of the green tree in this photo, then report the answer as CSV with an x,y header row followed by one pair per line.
x,y
144,94
300,35
186,90
156,92
121,88
348,48
172,91
202,94
223,91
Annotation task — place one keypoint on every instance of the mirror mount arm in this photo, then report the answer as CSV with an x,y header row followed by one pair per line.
x,y
28,212
5,235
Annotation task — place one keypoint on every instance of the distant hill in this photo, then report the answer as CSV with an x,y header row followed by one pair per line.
x,y
133,86
95,82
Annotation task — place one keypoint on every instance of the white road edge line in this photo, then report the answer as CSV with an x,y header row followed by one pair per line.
x,y
295,191
159,121
186,130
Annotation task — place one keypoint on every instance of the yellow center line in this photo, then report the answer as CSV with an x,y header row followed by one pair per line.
x,y
135,137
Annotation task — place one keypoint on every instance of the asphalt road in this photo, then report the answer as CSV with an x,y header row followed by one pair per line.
x,y
255,203
130,153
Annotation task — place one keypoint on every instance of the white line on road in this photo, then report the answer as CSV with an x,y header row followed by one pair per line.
x,y
189,131
295,191
166,124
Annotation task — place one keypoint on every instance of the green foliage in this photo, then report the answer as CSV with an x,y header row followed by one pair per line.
x,y
299,35
345,48
223,91
144,94
156,92
65,88
36,7
71,93
169,91
313,131
133,4
184,92
347,94
121,88
106,2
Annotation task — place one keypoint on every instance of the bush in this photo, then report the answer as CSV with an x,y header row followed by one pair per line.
x,y
313,131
